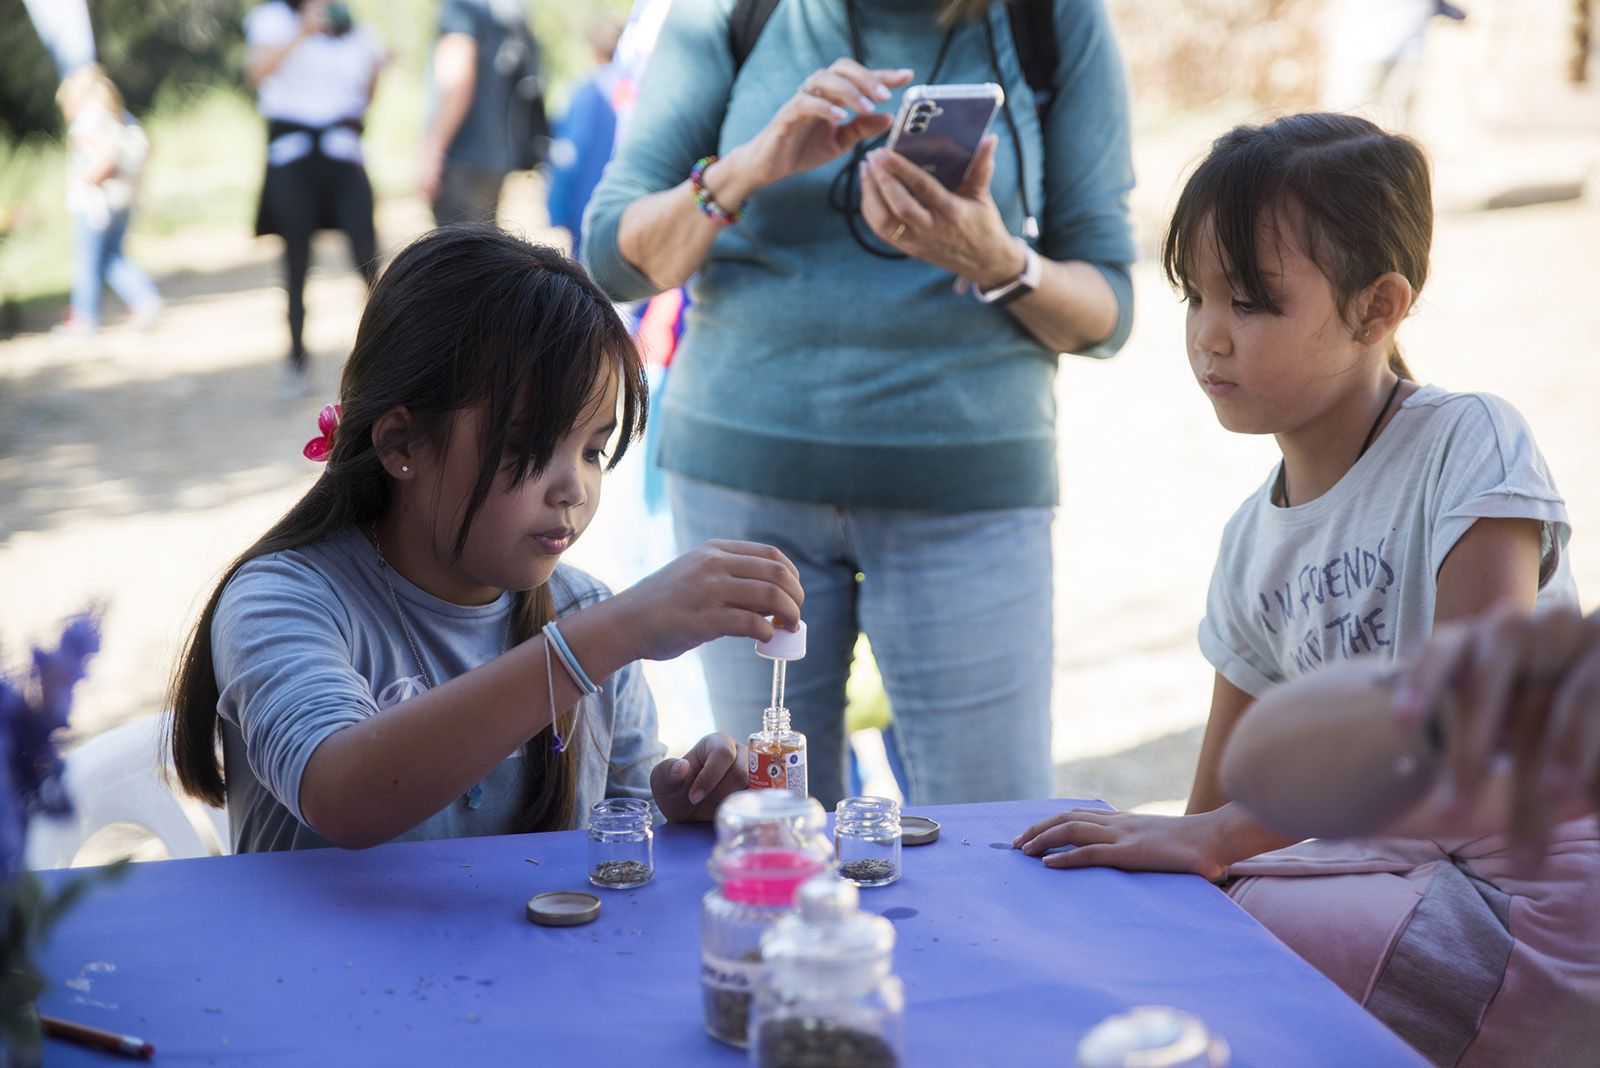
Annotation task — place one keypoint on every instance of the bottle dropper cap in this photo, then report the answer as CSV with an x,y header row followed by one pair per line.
x,y
784,644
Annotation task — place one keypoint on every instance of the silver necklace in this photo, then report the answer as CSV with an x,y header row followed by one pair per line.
x,y
474,796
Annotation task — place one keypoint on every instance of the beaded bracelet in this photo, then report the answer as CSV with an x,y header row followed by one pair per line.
x,y
703,198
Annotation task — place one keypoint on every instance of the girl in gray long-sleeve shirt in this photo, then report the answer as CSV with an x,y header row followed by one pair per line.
x,y
400,656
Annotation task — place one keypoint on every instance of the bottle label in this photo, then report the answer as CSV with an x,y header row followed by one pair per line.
x,y
721,973
778,771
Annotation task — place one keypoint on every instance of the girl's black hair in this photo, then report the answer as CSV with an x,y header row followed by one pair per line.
x,y
464,316
1360,196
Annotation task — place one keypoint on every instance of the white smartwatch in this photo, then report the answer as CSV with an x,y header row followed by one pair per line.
x,y
1021,285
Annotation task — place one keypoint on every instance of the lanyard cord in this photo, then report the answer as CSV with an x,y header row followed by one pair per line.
x,y
1282,488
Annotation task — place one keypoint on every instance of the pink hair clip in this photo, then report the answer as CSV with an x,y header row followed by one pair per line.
x,y
320,448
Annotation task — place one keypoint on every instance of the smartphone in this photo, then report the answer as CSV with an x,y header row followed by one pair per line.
x,y
939,127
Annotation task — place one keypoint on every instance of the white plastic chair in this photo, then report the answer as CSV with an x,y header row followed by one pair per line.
x,y
116,777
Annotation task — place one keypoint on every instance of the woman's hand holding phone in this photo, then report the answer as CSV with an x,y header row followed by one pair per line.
x,y
959,230
810,128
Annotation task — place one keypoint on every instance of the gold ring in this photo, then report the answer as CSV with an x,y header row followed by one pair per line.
x,y
898,230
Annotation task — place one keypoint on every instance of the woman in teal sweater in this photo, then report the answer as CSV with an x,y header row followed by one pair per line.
x,y
877,418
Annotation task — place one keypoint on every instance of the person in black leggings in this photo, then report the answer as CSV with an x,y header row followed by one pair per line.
x,y
315,73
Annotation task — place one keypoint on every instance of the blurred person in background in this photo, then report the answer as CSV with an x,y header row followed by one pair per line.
x,y
106,153
1373,55
867,374
586,135
487,116
315,73
63,26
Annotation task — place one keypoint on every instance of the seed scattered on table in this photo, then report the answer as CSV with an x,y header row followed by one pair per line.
x,y
619,873
868,871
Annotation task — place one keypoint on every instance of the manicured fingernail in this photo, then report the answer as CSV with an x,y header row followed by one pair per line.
x,y
696,796
881,92
866,103
679,769
838,113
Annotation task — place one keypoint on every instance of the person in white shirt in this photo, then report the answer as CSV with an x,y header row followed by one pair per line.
x,y
314,73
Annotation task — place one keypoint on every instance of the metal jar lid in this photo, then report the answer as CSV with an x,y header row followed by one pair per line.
x,y
563,908
918,830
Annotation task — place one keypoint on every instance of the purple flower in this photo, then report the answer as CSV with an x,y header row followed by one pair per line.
x,y
30,765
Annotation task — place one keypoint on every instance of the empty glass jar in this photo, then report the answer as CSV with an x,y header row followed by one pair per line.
x,y
621,843
866,838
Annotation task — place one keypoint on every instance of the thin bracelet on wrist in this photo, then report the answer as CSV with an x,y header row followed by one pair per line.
x,y
563,651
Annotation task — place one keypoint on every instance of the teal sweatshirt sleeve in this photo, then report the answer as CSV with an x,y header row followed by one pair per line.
x,y
1089,159
682,100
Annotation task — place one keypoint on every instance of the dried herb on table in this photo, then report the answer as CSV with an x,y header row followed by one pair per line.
x,y
813,1043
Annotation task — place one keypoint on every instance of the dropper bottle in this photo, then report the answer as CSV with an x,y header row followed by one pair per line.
x,y
777,752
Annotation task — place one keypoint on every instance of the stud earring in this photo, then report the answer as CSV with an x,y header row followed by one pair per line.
x,y
404,470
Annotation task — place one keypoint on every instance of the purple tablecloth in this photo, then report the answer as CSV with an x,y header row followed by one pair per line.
x,y
419,953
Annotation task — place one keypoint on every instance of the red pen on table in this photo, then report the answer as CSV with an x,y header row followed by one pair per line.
x,y
95,1038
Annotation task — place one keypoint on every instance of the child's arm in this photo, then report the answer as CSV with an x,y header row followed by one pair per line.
x,y
1214,835
1348,750
1228,704
1494,563
381,776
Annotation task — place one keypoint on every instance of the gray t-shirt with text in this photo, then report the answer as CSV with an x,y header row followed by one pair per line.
x,y
1353,572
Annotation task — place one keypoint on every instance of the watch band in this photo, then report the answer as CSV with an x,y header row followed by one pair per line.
x,y
1020,286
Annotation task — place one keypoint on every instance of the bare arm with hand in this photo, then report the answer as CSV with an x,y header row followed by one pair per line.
x,y
455,79
262,61
377,778
1072,308
1213,835
1494,726
665,235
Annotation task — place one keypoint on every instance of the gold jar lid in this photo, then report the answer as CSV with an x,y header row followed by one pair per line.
x,y
918,830
563,908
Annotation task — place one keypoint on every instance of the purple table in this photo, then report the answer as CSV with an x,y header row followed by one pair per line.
x,y
419,953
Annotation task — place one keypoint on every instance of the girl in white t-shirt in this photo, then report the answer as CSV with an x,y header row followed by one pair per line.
x,y
314,72
106,156
1300,246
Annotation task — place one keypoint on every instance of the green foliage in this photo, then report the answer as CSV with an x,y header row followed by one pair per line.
x,y
147,46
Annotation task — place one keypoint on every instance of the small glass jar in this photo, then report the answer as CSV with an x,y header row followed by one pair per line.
x,y
828,995
1152,1035
768,843
866,839
621,843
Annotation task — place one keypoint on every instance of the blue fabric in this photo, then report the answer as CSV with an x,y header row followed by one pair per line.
x,y
958,610
418,953
585,137
815,371
98,261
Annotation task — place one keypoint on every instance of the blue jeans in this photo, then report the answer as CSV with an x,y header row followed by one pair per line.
x,y
97,261
957,607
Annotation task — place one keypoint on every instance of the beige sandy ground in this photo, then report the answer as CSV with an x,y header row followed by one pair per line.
x,y
133,466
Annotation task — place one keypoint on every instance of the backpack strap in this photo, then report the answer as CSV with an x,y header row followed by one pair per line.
x,y
1033,34
749,18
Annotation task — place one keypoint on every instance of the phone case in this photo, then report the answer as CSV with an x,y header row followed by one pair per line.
x,y
939,127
